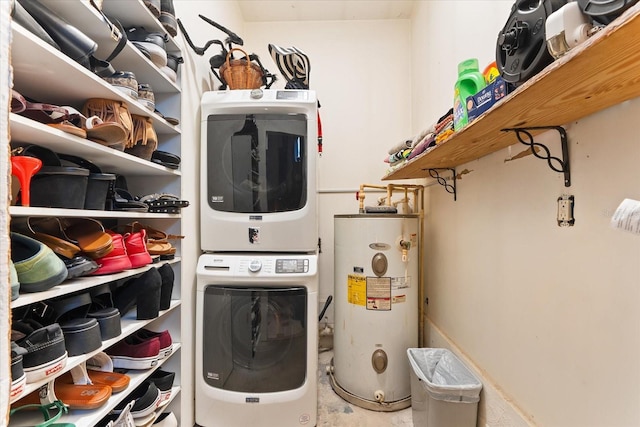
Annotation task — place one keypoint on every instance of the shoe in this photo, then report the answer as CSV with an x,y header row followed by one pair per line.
x,y
146,397
115,261
15,283
166,419
137,249
168,17
125,82
164,382
143,292
46,354
125,419
38,268
133,353
18,377
151,43
166,343
171,69
146,96
79,265
168,276
89,235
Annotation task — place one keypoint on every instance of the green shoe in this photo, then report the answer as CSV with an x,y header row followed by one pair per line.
x,y
38,267
15,283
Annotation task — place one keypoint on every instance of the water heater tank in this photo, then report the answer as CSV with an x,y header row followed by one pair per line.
x,y
377,258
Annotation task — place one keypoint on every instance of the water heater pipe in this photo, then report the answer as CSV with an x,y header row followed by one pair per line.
x,y
418,207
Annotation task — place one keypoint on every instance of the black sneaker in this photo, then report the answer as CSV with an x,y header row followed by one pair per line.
x,y
45,354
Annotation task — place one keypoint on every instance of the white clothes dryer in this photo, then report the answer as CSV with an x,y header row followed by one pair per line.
x,y
258,171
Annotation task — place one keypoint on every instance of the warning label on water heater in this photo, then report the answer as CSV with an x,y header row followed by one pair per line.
x,y
357,290
379,293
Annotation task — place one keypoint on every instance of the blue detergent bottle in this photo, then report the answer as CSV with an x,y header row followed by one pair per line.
x,y
470,81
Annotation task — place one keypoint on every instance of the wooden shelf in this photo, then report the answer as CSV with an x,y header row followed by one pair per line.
x,y
602,72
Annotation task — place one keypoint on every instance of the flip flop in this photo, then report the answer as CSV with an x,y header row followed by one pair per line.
x,y
89,235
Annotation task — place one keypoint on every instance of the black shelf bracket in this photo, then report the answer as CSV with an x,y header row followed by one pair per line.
x,y
450,188
556,164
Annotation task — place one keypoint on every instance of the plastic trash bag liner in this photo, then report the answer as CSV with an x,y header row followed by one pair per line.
x,y
444,376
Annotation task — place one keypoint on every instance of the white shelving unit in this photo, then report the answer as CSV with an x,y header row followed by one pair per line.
x,y
42,73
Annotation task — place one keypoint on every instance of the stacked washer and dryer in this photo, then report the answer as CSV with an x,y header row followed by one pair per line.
x,y
257,280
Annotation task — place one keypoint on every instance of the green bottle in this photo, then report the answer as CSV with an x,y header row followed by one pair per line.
x,y
470,81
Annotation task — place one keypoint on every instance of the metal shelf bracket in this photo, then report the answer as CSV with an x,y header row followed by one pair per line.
x,y
450,188
556,164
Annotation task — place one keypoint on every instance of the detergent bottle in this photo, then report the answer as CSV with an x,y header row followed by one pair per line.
x,y
470,81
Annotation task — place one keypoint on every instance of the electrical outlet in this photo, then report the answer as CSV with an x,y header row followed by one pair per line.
x,y
565,211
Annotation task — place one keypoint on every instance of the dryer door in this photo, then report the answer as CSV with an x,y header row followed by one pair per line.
x,y
254,339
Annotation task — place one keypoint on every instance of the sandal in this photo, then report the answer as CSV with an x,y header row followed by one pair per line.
x,y
47,230
168,160
124,201
96,371
88,234
49,420
164,203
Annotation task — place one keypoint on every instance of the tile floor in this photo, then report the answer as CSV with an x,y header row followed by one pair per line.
x,y
333,411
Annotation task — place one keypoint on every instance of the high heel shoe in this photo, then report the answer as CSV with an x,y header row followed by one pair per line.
x,y
24,168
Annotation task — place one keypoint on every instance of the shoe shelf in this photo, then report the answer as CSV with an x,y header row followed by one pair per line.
x,y
597,74
90,418
27,131
47,75
44,74
129,326
88,20
82,283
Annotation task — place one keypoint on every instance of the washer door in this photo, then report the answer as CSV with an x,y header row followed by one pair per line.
x,y
254,339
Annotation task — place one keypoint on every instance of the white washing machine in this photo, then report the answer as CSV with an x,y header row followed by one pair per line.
x,y
256,340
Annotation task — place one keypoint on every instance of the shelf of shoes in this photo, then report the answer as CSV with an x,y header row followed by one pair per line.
x,y
27,131
82,283
47,75
44,74
87,19
129,325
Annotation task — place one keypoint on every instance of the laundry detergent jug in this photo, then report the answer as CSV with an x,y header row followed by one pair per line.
x,y
470,81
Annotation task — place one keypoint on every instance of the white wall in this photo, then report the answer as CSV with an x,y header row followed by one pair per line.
x,y
547,315
361,73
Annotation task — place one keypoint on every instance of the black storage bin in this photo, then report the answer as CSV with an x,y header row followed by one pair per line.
x,y
59,187
98,189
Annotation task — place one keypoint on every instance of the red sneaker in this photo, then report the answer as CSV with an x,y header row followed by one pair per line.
x,y
115,261
137,248
135,353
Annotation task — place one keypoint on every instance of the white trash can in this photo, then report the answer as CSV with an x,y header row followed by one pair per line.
x,y
444,392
